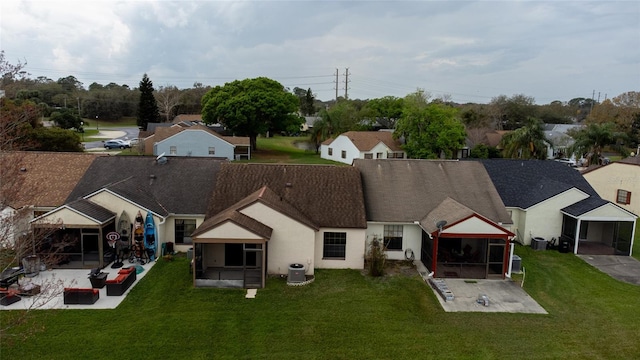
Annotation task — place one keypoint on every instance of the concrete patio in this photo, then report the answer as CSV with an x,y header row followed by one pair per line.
x,y
503,295
623,268
53,282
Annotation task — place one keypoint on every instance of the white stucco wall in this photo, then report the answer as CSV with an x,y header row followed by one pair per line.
x,y
338,145
608,179
354,251
194,143
411,238
291,241
545,219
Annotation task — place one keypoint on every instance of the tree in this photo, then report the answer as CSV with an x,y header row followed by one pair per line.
x,y
66,119
430,130
251,107
168,97
386,110
527,142
147,107
591,141
510,113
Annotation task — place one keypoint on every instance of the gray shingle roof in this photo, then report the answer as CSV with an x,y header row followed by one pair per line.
x,y
327,195
524,183
180,186
584,206
92,210
408,190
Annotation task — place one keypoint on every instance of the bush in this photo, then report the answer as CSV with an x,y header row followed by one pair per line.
x,y
376,257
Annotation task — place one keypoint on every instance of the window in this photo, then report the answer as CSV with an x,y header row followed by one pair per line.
x,y
344,154
335,244
378,155
368,156
183,230
393,237
173,150
330,151
212,150
624,197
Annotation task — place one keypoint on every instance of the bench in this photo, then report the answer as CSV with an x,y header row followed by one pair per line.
x,y
120,284
81,296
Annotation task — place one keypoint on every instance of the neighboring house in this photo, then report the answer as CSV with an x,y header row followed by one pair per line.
x,y
34,182
197,140
264,217
308,123
558,136
446,213
191,119
548,199
362,145
618,182
176,192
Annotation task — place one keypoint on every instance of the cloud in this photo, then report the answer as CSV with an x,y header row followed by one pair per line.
x,y
472,50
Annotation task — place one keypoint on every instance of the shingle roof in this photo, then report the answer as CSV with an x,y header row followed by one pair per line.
x,y
92,210
164,133
448,210
329,196
366,140
524,183
238,218
180,186
632,160
584,206
42,179
408,190
187,117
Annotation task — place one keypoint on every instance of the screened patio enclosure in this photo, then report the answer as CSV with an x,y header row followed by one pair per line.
x,y
231,264
593,237
467,258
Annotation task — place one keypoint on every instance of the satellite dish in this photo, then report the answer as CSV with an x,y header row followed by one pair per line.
x,y
160,156
440,224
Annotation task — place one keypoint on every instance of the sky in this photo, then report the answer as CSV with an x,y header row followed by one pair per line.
x,y
466,51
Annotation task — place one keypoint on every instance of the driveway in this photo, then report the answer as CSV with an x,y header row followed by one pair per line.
x,y
623,268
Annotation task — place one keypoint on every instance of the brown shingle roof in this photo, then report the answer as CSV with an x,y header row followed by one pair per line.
x,y
187,117
232,215
408,190
366,140
448,210
42,179
329,196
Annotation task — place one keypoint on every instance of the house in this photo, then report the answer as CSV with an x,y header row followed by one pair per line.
x,y
308,123
264,217
175,191
617,182
447,213
558,136
34,182
549,200
196,140
362,145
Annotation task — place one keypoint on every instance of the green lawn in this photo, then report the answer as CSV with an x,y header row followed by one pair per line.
x,y
345,315
283,149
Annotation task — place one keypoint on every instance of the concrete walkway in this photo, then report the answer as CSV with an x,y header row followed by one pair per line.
x,y
503,295
623,268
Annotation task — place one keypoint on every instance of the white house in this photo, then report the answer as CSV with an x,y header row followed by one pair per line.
x,y
550,200
362,145
265,217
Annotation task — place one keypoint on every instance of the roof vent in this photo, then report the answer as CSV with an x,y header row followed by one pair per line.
x,y
161,160
288,185
23,169
152,176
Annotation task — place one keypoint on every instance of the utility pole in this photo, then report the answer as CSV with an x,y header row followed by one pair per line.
x,y
337,84
346,83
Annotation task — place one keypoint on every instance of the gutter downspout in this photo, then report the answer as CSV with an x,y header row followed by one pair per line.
x,y
577,237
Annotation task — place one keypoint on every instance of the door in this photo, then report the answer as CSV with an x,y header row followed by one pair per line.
x,y
495,265
90,250
253,265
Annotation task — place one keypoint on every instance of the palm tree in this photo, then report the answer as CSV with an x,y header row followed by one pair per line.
x,y
590,142
527,142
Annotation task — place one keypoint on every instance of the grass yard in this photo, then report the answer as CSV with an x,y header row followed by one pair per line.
x,y
283,149
345,315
